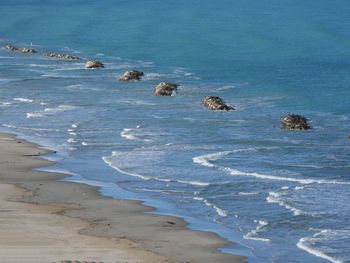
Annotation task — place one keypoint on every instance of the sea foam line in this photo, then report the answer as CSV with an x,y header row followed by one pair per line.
x,y
273,197
50,111
207,160
252,235
219,211
109,162
23,100
302,245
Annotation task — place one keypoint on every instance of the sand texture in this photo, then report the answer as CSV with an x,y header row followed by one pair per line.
x,y
45,220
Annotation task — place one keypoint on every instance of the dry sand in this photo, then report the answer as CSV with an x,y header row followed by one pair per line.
x,y
45,220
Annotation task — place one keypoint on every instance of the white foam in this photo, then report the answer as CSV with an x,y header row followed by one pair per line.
x,y
125,133
23,100
130,134
226,87
218,210
6,104
61,108
207,160
304,244
34,115
248,193
269,177
51,111
275,197
71,140
9,126
198,183
109,161
252,235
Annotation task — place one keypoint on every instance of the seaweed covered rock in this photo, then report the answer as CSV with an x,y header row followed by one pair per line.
x,y
165,89
294,122
62,56
216,103
20,49
131,75
94,64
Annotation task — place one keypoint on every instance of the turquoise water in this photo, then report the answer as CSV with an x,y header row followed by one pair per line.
x,y
282,196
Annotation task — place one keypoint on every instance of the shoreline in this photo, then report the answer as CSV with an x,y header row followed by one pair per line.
x,y
138,236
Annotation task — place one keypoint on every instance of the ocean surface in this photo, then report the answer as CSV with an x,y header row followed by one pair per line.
x,y
282,196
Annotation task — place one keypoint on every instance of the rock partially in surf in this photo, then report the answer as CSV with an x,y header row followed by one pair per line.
x,y
20,49
165,89
94,64
62,56
294,122
216,103
131,75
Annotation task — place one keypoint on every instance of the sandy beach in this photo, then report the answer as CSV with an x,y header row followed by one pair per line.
x,y
46,220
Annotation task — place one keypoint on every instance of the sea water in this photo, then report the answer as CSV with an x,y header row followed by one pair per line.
x,y
282,195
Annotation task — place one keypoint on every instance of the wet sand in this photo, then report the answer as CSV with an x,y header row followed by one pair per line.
x,y
45,220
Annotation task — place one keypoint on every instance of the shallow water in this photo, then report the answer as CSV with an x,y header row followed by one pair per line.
x,y
282,195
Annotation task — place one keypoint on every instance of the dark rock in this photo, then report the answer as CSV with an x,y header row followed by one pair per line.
x,y
62,56
294,122
216,103
131,75
94,64
165,89
20,49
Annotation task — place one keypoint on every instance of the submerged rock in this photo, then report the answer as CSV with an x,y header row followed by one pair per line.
x,y
62,56
216,103
165,89
20,49
294,122
131,75
94,64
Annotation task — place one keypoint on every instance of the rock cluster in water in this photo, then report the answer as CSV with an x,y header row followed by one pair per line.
x,y
20,49
131,75
290,121
94,64
294,122
216,103
165,89
62,56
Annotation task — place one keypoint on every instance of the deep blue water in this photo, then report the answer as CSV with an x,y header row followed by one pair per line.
x,y
283,196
